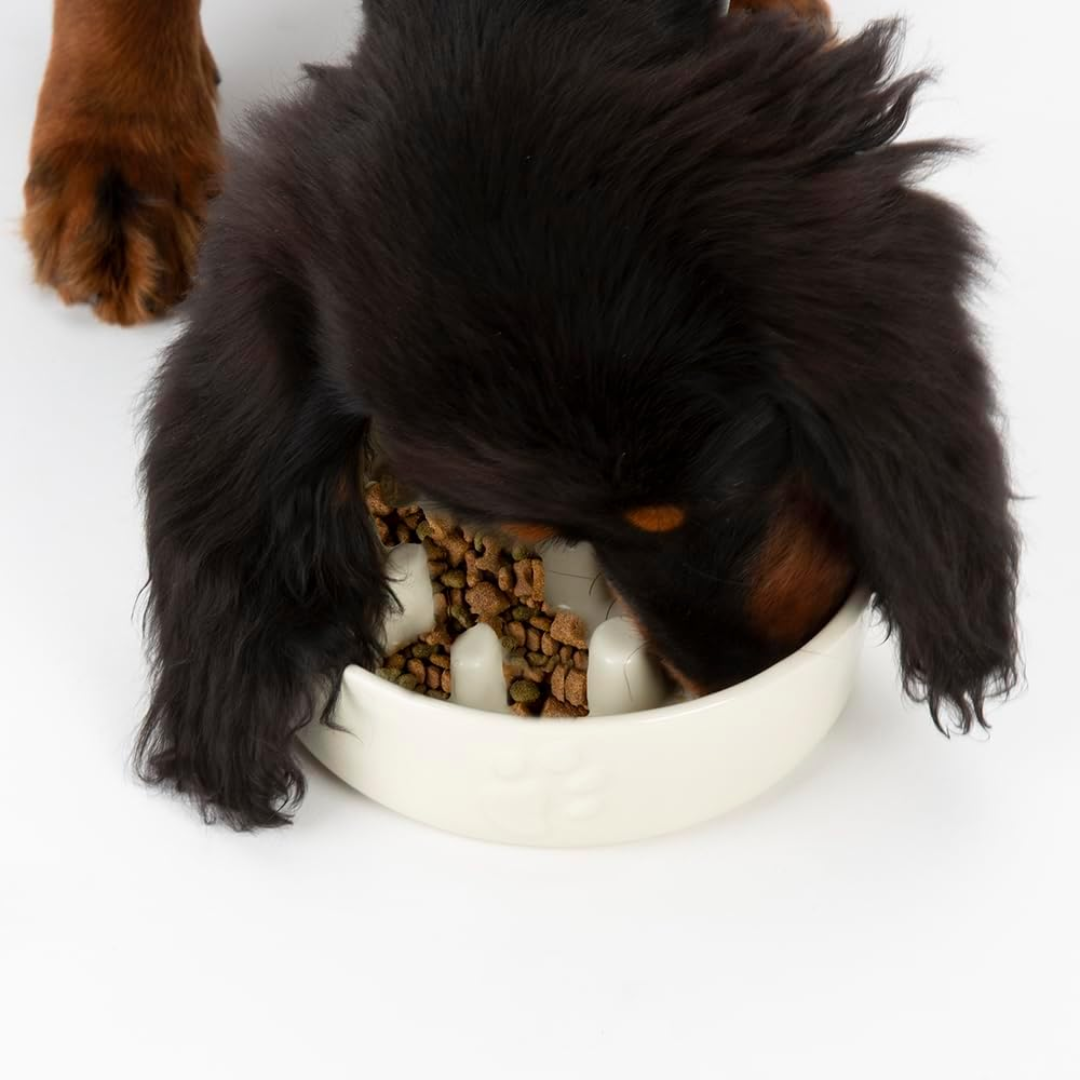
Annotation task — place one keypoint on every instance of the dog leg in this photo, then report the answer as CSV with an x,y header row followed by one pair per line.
x,y
125,155
265,574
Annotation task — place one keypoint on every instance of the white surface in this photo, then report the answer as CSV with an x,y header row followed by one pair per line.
x,y
901,907
598,780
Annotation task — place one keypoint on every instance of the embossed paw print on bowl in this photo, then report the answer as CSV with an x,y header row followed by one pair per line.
x,y
639,765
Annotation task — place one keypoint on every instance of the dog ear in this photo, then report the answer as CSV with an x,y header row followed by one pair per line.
x,y
859,292
265,576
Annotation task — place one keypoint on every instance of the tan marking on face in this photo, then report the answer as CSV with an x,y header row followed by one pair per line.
x,y
656,519
801,574
531,534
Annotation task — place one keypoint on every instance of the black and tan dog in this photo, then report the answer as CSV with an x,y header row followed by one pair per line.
x,y
617,271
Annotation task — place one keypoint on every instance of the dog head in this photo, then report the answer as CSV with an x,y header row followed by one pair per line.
x,y
677,294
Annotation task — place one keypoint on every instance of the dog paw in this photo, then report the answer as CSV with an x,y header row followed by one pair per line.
x,y
117,194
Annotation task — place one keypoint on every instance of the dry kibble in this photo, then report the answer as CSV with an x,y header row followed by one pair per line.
x,y
569,629
576,686
553,707
524,692
376,504
486,599
456,548
538,580
581,660
558,682
475,579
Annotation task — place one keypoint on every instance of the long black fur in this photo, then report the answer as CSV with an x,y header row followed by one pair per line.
x,y
568,258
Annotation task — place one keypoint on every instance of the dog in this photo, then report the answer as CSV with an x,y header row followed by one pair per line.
x,y
632,273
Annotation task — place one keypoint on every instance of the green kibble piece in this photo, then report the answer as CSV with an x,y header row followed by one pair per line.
x,y
508,643
519,552
422,651
479,540
461,613
536,659
522,614
407,681
438,695
424,530
524,692
454,579
388,673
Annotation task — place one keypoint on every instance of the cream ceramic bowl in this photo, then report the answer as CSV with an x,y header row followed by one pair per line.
x,y
598,780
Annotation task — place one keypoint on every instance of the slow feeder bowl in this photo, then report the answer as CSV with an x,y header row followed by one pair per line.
x,y
651,765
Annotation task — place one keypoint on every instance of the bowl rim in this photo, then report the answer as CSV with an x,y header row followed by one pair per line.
x,y
816,651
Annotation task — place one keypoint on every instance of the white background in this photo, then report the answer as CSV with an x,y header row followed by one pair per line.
x,y
901,907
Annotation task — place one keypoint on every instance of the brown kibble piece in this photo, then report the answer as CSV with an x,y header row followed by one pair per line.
x,y
555,708
581,660
566,654
434,677
417,669
523,579
576,687
404,534
440,607
437,569
532,640
520,709
384,532
517,631
440,660
438,695
548,646
538,582
534,674
375,502
486,599
489,562
457,596
506,579
455,549
397,662
541,622
558,683
569,629
445,682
